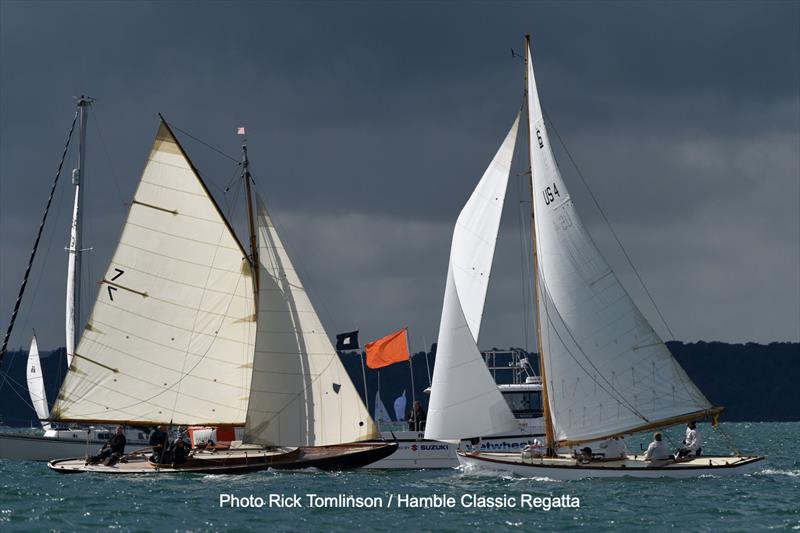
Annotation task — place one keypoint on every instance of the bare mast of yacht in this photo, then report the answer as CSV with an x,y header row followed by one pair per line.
x,y
73,304
250,219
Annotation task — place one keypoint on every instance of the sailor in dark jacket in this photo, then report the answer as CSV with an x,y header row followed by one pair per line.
x,y
158,440
112,450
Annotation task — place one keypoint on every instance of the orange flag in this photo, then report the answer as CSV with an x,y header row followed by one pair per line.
x,y
388,350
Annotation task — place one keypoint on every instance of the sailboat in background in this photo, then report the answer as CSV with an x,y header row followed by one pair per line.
x,y
605,372
35,381
60,440
182,333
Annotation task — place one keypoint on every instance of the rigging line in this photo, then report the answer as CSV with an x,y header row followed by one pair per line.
x,y
96,125
36,243
524,269
220,152
330,318
543,287
41,271
605,219
7,378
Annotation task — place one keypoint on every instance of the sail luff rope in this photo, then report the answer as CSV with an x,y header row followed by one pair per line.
x,y
36,243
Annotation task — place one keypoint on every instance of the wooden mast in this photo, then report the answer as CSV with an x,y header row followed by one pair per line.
x,y
250,220
548,423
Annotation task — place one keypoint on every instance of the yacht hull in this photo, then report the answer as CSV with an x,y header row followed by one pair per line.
x,y
242,460
567,469
38,448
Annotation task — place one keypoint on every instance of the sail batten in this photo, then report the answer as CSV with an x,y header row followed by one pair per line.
x,y
171,335
608,372
465,401
301,395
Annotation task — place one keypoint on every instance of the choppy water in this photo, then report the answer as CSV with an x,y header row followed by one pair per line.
x,y
34,499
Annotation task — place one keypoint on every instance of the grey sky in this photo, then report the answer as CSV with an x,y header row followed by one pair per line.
x,y
370,123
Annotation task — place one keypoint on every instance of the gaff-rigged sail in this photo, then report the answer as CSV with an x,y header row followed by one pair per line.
x,y
465,401
170,338
301,394
607,370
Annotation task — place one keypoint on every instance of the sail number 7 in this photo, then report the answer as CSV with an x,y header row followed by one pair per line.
x,y
550,193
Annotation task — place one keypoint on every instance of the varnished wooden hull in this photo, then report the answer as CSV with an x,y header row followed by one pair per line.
x,y
243,460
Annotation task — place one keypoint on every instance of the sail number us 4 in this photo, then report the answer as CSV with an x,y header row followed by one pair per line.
x,y
550,193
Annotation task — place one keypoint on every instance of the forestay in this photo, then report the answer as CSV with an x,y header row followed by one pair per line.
x,y
170,338
465,401
607,370
301,394
36,382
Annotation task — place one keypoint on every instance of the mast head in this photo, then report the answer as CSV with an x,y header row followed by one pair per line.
x,y
84,100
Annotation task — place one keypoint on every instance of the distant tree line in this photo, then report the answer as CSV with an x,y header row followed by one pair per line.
x,y
755,382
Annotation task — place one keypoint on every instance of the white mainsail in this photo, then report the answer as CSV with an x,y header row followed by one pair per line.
x,y
36,382
301,395
465,401
171,335
607,370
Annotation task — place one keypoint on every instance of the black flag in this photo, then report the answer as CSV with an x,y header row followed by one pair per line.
x,y
347,341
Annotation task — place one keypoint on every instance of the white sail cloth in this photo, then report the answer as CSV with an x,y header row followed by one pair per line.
x,y
607,370
301,394
465,401
381,413
36,382
170,338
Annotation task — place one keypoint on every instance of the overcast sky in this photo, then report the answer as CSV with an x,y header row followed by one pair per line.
x,y
369,124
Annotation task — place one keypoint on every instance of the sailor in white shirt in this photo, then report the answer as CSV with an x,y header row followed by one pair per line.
x,y
692,443
613,448
657,451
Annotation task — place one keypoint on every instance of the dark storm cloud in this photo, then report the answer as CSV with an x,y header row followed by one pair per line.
x,y
369,124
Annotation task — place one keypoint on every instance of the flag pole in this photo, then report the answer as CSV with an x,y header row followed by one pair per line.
x,y
427,363
364,375
411,370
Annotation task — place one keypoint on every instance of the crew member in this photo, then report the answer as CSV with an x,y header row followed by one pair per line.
x,y
417,417
158,440
657,451
691,444
112,450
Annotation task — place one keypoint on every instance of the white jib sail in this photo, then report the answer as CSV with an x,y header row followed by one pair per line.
x,y
465,401
607,370
170,338
301,394
36,382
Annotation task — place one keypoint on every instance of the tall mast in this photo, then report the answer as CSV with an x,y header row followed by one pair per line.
x,y
251,222
548,422
73,310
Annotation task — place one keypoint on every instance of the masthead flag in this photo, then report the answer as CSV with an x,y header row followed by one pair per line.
x,y
240,131
347,341
388,350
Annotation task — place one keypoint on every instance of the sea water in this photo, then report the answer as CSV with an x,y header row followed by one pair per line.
x,y
32,498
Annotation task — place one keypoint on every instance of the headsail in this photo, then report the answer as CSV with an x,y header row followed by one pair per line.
x,y
465,400
36,382
607,370
170,338
301,394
